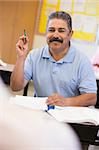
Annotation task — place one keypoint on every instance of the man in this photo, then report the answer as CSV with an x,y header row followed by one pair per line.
x,y
58,70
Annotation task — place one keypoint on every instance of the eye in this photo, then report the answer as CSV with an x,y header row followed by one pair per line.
x,y
61,30
51,30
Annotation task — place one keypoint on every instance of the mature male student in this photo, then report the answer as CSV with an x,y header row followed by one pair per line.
x,y
58,70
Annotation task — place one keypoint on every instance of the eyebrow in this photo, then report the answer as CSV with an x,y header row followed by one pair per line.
x,y
62,28
58,28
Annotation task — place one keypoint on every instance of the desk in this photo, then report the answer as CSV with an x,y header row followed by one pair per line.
x,y
87,133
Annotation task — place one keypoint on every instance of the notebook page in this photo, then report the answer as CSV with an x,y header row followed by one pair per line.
x,y
29,102
76,115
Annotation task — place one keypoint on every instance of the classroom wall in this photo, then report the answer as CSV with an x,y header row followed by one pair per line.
x,y
85,46
15,16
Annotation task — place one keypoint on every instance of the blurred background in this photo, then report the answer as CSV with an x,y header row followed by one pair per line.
x,y
31,15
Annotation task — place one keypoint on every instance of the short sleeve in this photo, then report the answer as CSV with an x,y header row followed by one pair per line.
x,y
87,78
28,67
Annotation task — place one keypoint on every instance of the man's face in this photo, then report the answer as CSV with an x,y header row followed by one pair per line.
x,y
58,35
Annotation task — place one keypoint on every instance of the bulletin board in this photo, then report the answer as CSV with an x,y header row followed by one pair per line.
x,y
84,13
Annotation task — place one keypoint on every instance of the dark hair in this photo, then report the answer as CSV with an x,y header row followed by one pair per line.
x,y
61,15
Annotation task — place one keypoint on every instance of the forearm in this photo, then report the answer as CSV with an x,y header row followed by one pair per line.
x,y
17,76
87,99
81,100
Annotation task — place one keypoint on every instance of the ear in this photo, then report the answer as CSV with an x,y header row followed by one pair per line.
x,y
71,33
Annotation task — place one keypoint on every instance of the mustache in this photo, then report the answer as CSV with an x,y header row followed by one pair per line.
x,y
56,39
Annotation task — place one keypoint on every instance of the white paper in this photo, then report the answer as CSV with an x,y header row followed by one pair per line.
x,y
76,115
89,24
66,5
29,102
79,6
62,114
77,22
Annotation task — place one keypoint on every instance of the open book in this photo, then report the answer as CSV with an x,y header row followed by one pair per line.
x,y
76,115
29,102
62,114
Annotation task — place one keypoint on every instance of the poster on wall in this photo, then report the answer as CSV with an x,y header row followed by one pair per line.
x,y
84,13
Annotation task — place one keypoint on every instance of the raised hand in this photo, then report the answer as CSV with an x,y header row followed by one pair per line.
x,y
22,46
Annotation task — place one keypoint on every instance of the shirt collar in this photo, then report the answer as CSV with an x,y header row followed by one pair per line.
x,y
68,58
46,53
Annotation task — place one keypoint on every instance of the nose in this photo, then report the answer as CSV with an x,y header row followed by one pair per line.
x,y
56,33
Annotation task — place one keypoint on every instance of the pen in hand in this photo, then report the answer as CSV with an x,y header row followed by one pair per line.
x,y
24,40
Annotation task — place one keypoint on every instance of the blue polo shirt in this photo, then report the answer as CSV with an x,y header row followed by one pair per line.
x,y
70,76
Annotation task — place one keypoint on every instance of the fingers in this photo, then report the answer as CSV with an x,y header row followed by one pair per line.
x,y
53,99
24,39
19,45
22,44
56,99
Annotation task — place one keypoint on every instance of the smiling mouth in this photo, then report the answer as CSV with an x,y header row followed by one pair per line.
x,y
56,40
